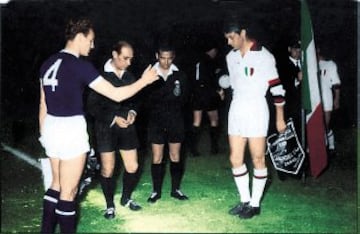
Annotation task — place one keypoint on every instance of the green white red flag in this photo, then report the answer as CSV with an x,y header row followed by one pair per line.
x,y
311,99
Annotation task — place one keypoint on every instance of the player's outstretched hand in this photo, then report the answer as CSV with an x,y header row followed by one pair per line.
x,y
149,75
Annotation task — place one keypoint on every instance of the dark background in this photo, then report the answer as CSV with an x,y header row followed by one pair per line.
x,y
32,30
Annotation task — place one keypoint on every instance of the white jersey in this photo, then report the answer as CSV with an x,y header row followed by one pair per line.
x,y
329,77
250,78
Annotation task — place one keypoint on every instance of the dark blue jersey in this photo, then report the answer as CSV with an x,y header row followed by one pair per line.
x,y
64,78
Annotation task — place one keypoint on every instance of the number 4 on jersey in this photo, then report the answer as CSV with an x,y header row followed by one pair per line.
x,y
49,78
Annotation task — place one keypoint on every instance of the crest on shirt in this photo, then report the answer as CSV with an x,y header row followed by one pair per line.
x,y
249,71
323,72
177,88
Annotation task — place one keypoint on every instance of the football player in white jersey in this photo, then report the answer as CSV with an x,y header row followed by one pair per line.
x,y
330,92
252,72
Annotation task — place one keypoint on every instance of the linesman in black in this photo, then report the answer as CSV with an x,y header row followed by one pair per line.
x,y
291,76
166,101
115,130
206,97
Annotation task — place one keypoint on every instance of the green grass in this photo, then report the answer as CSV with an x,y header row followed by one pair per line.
x,y
327,204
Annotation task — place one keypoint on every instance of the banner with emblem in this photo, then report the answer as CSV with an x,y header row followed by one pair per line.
x,y
285,150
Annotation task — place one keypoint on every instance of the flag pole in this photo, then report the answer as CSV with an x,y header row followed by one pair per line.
x,y
303,145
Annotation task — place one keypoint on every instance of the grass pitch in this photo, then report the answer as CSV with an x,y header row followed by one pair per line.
x,y
327,204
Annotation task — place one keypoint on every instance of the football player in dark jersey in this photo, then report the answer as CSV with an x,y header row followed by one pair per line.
x,y
63,131
115,130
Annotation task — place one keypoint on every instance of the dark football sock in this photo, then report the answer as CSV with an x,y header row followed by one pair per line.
x,y
108,188
214,135
129,183
157,174
176,171
194,140
49,220
66,214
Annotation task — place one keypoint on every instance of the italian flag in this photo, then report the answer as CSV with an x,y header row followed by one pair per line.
x,y
311,100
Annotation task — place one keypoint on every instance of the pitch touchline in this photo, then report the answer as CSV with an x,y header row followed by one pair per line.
x,y
21,155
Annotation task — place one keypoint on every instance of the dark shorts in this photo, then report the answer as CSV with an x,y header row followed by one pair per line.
x,y
207,101
162,135
115,138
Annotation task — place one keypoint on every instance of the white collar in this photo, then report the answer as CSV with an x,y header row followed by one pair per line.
x,y
172,68
108,67
295,61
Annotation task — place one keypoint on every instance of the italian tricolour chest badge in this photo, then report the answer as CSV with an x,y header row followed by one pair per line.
x,y
249,71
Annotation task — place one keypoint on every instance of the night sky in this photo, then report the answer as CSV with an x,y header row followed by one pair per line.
x,y
32,30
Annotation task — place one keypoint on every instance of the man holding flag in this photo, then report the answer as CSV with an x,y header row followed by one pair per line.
x,y
311,99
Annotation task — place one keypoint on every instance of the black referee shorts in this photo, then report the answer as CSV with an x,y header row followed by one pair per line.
x,y
162,135
115,138
206,101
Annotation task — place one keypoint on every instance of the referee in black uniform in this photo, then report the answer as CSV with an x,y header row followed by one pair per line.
x,y
115,130
166,100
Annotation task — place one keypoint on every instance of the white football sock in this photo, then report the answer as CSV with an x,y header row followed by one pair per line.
x,y
241,177
258,186
331,139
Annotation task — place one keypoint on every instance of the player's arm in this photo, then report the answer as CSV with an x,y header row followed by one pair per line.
x,y
133,103
336,83
336,92
280,122
278,95
119,94
42,107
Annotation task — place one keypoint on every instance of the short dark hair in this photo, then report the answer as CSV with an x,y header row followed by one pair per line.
x,y
232,26
295,44
119,45
75,26
324,50
166,47
254,30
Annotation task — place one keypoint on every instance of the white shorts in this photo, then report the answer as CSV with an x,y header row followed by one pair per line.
x,y
248,118
64,137
327,99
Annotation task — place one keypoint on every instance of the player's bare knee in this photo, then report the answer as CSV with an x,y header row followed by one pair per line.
x,y
259,162
106,172
157,160
174,157
68,195
235,161
132,168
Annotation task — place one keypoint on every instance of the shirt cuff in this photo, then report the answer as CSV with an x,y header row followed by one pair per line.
x,y
133,111
113,122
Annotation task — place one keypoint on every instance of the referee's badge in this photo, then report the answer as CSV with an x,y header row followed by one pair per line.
x,y
249,71
177,88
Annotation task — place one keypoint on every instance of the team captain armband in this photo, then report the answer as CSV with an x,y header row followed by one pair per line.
x,y
277,91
